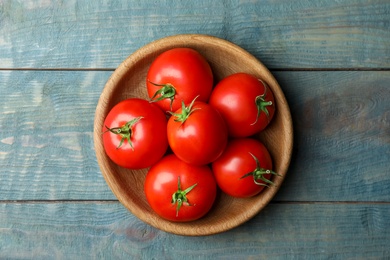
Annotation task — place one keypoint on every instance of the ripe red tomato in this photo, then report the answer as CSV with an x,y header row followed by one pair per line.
x,y
246,103
244,169
177,75
178,191
197,134
135,133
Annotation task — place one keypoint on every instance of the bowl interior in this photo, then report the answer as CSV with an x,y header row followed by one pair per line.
x,y
225,58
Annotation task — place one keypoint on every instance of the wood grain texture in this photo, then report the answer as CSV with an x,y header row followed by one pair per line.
x,y
129,80
342,136
108,231
341,129
46,146
283,34
341,122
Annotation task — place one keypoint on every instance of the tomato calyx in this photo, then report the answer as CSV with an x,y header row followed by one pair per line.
x,y
166,91
186,111
262,104
258,174
179,197
125,131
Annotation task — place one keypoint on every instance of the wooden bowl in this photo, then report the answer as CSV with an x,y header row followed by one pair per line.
x,y
225,58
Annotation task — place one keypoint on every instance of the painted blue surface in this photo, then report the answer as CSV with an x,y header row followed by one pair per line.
x,y
331,59
283,34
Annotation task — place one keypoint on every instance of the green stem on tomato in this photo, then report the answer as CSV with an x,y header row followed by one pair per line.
x,y
258,174
125,131
261,104
166,91
179,197
186,111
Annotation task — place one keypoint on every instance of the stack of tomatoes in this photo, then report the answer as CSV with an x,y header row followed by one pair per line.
x,y
193,136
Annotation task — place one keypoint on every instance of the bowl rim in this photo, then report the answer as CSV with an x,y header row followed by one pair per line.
x,y
177,41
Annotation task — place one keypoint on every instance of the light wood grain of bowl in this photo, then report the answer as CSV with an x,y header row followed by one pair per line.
x,y
225,58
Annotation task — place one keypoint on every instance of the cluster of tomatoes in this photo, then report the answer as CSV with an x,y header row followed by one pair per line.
x,y
195,136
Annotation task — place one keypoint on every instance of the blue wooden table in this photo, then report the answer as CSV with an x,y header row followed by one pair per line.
x,y
331,58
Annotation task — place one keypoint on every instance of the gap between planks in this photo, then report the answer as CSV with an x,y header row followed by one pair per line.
x,y
271,203
271,69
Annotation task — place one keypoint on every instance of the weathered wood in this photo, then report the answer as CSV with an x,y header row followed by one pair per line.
x,y
341,122
342,136
341,147
283,34
46,142
96,230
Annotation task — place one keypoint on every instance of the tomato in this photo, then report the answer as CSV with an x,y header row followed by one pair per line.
x,y
135,133
244,169
246,103
178,191
177,75
197,134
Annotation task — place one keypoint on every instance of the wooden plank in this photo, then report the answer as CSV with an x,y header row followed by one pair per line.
x,y
46,137
341,147
341,136
108,231
283,34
